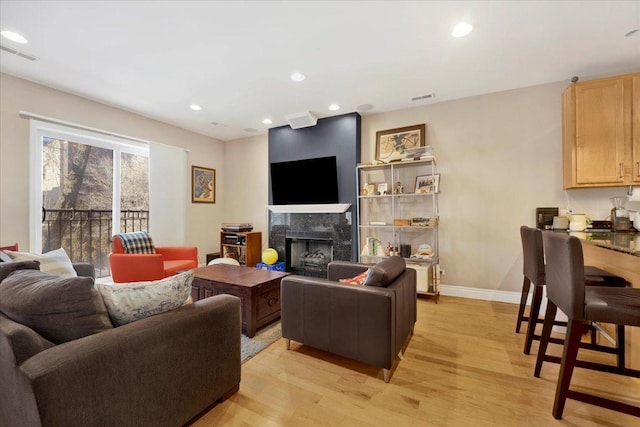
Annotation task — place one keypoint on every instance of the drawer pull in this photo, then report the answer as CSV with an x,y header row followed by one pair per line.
x,y
272,301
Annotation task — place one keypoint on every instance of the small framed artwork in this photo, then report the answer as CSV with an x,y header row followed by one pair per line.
x,y
427,183
203,185
392,144
382,188
370,189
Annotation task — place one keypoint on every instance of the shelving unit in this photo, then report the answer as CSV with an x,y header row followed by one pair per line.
x,y
244,246
402,220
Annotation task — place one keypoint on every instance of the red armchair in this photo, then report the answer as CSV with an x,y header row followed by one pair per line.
x,y
167,261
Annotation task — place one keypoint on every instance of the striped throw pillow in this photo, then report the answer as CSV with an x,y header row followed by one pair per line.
x,y
55,262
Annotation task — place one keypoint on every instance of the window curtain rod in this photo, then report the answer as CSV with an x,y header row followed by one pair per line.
x,y
28,115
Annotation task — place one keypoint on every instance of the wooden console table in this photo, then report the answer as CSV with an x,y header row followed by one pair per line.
x,y
258,290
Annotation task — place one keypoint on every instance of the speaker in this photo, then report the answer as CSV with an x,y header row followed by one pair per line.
x,y
301,120
405,251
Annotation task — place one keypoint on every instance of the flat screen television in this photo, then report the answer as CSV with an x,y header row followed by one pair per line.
x,y
305,182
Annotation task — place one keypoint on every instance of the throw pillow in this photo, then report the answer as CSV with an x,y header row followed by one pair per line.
x,y
385,272
127,302
55,262
6,268
357,280
58,308
4,257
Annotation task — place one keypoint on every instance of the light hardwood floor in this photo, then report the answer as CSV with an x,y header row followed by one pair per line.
x,y
463,366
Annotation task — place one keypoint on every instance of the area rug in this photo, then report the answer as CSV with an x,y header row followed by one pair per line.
x,y
261,340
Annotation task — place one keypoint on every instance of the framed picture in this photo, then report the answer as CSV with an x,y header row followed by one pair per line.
x,y
382,188
203,185
391,144
427,183
370,189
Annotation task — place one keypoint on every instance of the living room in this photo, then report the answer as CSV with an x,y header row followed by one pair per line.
x,y
499,155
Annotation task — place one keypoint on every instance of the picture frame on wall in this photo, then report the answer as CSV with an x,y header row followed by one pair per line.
x,y
203,185
391,144
427,184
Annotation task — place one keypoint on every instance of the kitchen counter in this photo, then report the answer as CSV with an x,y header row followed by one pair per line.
x,y
627,242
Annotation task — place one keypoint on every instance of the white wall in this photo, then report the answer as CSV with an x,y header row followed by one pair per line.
x,y
203,220
247,183
499,156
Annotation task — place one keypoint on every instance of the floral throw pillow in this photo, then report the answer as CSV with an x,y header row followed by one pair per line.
x,y
357,280
128,302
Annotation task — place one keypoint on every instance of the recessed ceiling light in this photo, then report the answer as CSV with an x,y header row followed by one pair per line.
x,y
364,107
461,29
267,121
14,37
250,130
195,107
334,107
298,77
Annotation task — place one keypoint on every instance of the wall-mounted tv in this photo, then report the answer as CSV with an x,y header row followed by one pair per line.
x,y
305,182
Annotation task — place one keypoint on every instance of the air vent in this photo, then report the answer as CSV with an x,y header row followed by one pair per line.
x,y
21,54
427,96
301,120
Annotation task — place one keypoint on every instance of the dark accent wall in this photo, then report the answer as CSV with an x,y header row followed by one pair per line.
x,y
332,136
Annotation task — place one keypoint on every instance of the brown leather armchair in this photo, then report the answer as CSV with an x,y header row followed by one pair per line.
x,y
167,261
369,323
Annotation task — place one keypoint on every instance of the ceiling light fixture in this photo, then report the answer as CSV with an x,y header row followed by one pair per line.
x,y
14,37
461,29
267,121
195,107
334,107
298,77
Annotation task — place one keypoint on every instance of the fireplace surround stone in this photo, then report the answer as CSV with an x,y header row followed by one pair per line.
x,y
334,227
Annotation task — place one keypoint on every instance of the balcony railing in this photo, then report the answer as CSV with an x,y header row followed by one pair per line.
x,y
85,234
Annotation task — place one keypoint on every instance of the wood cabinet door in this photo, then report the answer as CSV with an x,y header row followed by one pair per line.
x,y
600,133
635,147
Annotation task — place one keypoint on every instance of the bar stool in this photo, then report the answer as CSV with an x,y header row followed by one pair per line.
x,y
534,273
566,290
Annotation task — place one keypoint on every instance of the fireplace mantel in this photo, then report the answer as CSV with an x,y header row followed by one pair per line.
x,y
325,208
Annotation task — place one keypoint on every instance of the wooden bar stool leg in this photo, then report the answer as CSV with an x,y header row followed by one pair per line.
x,y
523,302
620,344
549,316
569,355
533,317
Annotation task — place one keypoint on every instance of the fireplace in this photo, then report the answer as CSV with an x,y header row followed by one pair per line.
x,y
308,254
308,241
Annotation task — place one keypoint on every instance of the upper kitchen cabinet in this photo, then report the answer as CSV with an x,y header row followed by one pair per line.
x,y
601,132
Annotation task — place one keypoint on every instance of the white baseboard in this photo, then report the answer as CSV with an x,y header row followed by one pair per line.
x,y
483,294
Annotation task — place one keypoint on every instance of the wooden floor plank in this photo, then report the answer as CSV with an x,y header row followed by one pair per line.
x,y
463,366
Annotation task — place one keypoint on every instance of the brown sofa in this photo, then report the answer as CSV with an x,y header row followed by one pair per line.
x,y
368,323
159,371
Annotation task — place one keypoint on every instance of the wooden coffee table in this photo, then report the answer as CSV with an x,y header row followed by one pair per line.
x,y
258,290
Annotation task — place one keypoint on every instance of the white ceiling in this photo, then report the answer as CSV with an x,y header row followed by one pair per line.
x,y
234,58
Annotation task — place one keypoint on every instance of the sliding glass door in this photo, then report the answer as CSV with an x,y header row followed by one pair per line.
x,y
87,187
